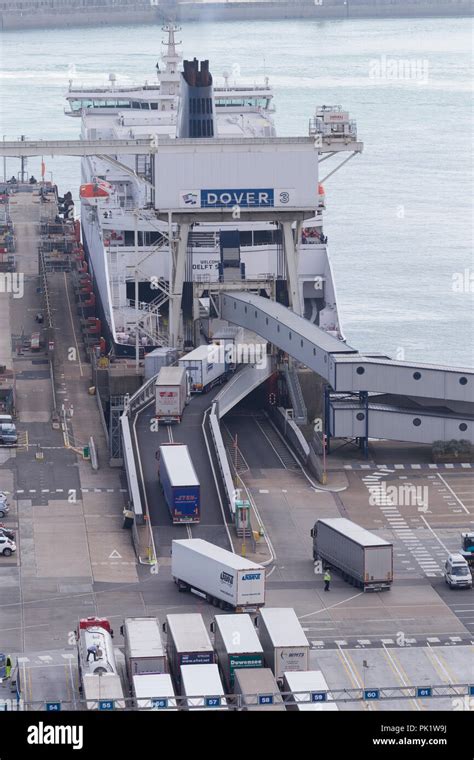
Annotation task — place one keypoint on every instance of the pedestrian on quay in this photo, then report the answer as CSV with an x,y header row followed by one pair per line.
x,y
327,579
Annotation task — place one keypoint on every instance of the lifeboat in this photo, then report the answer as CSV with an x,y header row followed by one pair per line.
x,y
94,192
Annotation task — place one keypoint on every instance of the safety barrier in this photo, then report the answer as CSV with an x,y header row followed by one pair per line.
x,y
325,699
290,430
130,468
222,457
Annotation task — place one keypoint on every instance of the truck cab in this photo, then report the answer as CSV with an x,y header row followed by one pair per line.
x,y
456,572
467,544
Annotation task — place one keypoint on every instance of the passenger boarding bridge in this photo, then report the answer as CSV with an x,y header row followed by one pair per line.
x,y
367,396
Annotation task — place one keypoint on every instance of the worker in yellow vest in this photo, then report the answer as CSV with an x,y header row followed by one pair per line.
x,y
327,579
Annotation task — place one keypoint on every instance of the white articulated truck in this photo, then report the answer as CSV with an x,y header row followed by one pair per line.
x,y
363,559
153,691
205,367
171,394
237,645
283,640
188,643
309,690
223,578
144,650
204,683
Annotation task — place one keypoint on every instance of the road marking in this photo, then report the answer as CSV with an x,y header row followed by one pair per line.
x,y
455,496
324,609
72,325
434,534
397,669
263,490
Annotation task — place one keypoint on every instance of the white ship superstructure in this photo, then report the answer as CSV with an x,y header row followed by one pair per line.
x,y
127,239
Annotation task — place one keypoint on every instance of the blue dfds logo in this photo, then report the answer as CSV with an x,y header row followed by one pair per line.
x,y
260,197
251,577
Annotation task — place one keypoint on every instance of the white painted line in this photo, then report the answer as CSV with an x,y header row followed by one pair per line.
x,y
386,641
78,354
317,643
22,659
45,658
455,496
466,464
455,638
364,642
433,640
399,466
341,643
416,467
68,656
263,490
45,490
59,490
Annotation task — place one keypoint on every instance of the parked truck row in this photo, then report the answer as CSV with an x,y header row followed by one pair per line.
x,y
253,660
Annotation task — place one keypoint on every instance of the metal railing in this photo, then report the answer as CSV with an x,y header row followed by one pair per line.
x,y
259,700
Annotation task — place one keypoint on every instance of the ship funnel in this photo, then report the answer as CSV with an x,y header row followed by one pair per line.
x,y
196,116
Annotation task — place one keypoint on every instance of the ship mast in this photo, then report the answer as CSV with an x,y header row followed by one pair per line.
x,y
169,78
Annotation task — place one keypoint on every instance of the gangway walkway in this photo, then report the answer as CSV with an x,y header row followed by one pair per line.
x,y
442,394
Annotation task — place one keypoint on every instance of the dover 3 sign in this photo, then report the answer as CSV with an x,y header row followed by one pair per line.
x,y
242,197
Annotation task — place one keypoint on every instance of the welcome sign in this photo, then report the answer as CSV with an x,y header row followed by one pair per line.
x,y
232,197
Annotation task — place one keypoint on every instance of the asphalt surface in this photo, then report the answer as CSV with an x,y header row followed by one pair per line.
x,y
189,431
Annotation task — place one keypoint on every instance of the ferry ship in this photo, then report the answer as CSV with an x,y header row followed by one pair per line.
x,y
128,245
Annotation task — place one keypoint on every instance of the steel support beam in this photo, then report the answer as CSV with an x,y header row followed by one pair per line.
x,y
291,268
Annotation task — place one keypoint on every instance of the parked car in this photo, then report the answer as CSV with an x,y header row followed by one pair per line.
x,y
456,572
4,505
7,547
7,532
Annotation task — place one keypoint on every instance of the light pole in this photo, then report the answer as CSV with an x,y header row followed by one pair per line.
x,y
137,340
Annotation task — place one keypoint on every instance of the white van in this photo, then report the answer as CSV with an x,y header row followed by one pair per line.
x,y
7,547
456,572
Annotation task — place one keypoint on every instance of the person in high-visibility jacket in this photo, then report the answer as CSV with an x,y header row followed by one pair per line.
x,y
327,579
8,666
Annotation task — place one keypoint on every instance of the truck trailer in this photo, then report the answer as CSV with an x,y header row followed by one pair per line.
x,y
144,650
205,367
283,640
223,578
180,484
258,690
153,691
309,692
171,394
363,559
188,643
237,645
204,683
99,680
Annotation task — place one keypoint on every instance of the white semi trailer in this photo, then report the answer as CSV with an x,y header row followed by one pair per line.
x,y
362,558
283,640
223,578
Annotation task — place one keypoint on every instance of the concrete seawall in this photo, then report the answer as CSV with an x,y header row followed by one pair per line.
x,y
217,11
